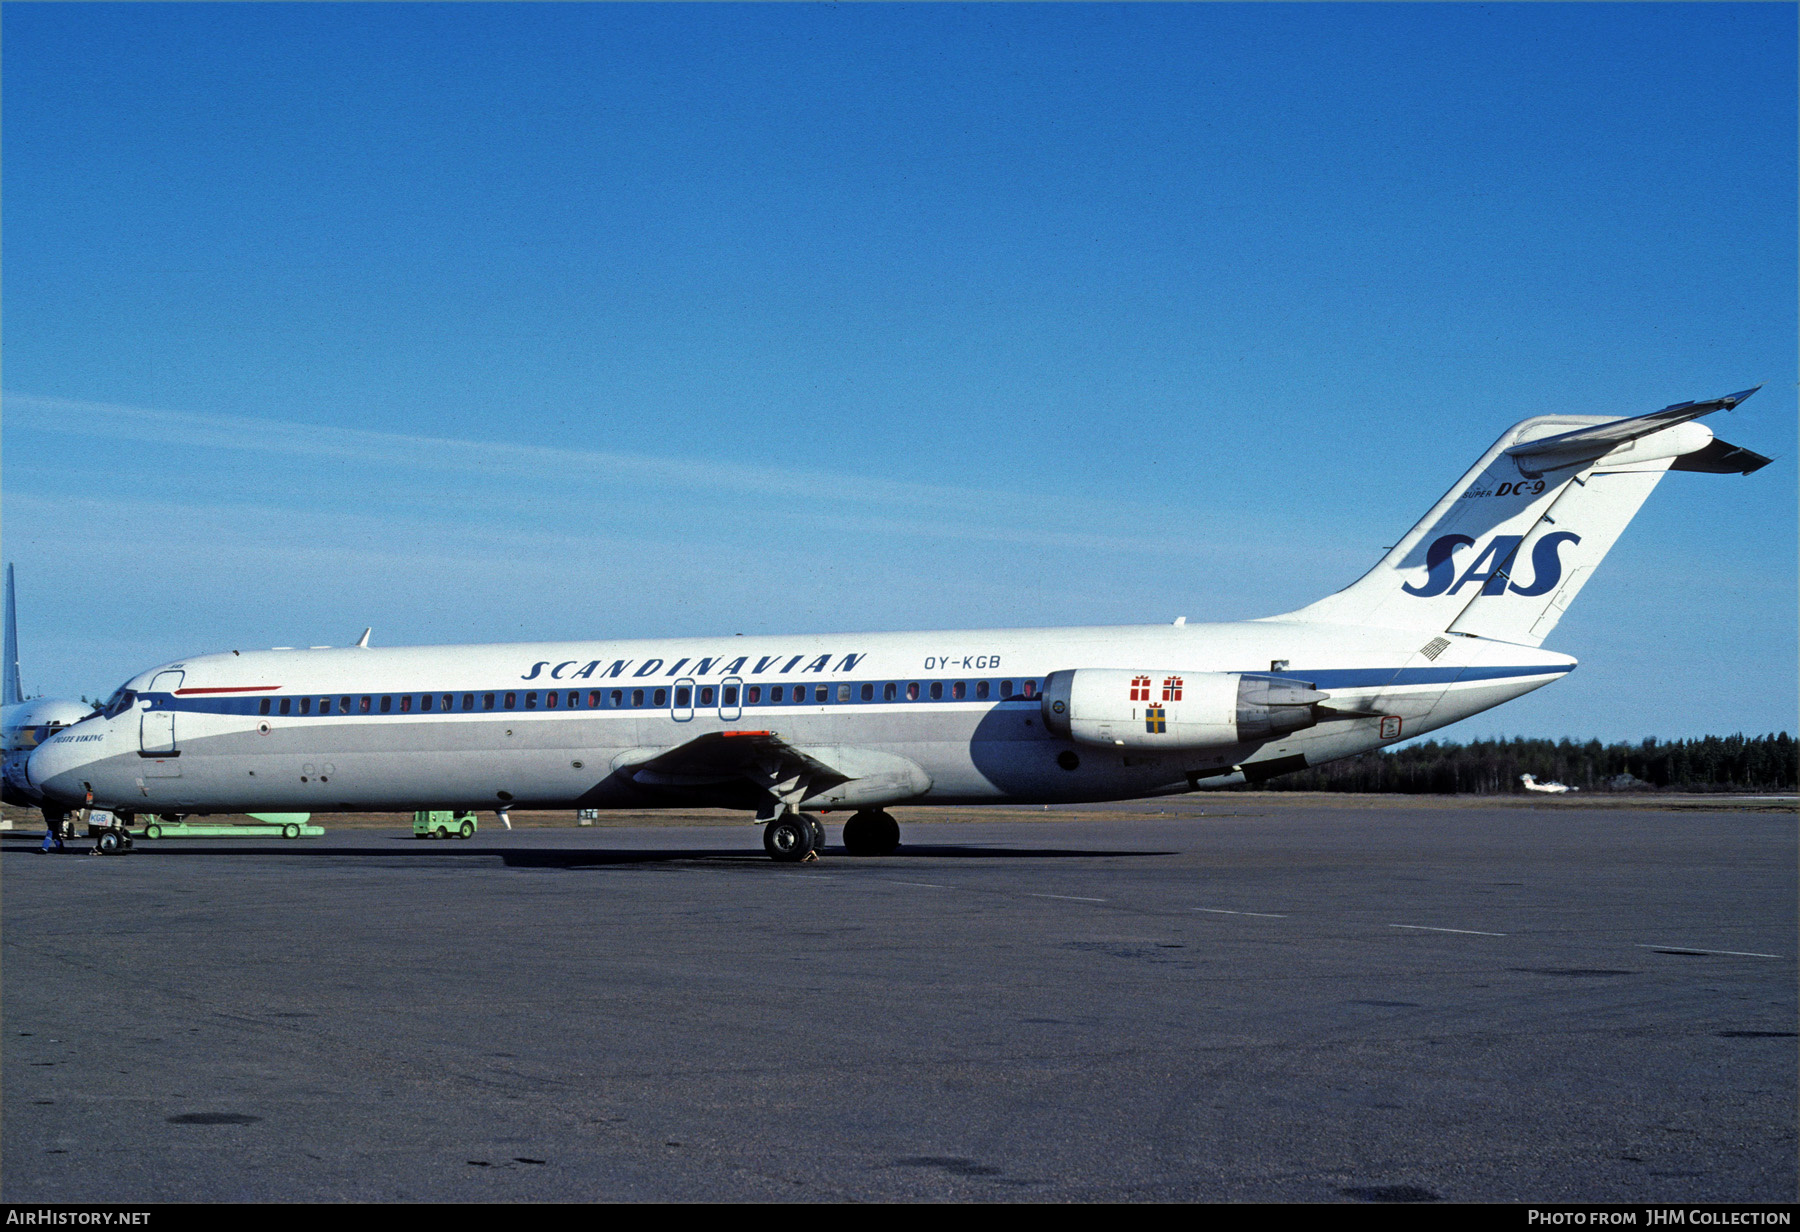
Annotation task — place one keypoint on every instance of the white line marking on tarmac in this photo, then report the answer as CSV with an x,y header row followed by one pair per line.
x,y
929,885
1688,949
1473,932
1266,915
1068,898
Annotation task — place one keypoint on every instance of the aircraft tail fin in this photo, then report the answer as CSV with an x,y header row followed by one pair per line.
x,y
10,692
1506,550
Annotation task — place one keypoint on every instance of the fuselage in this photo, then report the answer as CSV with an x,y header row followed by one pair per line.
x,y
560,725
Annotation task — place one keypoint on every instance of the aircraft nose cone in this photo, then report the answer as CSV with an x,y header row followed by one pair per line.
x,y
55,770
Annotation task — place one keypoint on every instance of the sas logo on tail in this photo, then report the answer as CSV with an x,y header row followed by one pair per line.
x,y
1492,568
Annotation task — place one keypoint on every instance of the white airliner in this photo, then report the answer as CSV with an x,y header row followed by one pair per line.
x,y
1448,624
24,724
1554,789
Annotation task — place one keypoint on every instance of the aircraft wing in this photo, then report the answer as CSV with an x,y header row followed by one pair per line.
x,y
836,775
719,756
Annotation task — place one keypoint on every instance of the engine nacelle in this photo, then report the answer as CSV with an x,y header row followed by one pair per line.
x,y
1175,710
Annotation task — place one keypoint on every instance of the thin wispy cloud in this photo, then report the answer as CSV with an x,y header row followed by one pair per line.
x,y
591,486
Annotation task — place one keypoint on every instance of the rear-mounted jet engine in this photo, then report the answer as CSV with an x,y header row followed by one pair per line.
x,y
1176,710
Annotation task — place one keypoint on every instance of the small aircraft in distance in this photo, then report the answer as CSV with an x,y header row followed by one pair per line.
x,y
1555,789
1449,623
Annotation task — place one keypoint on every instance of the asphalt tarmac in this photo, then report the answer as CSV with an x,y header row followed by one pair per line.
x,y
1236,999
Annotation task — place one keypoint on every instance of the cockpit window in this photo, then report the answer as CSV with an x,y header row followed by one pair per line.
x,y
121,701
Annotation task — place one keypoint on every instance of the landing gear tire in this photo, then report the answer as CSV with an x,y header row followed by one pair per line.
x,y
789,838
818,833
871,833
108,843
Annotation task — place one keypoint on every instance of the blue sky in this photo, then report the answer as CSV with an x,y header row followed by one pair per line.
x,y
492,322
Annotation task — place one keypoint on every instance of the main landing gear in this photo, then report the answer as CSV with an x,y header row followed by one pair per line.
x,y
793,837
871,833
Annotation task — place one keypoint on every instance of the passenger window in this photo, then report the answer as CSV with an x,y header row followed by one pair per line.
x,y
512,700
365,705
618,698
637,697
981,690
730,692
959,690
868,692
406,704
1005,689
754,695
387,704
682,694
937,690
843,692
306,705
549,702
469,701
888,691
706,696
344,705
775,694
912,691
264,710
424,701
799,692
286,704
593,700
662,697
450,701
1028,689
487,701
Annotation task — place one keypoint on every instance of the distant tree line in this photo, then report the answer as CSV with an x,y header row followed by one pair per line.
x,y
1492,767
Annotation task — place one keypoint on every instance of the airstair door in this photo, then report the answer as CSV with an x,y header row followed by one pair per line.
x,y
156,722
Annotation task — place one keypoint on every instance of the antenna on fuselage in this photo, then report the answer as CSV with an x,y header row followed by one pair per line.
x,y
10,692
363,641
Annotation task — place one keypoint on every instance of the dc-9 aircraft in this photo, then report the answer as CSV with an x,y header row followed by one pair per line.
x,y
1448,624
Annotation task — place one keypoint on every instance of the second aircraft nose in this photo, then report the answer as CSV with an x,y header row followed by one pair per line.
x,y
57,767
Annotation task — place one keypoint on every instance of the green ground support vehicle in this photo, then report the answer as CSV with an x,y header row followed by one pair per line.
x,y
442,824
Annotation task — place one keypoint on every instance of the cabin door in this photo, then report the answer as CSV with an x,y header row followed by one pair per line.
x,y
156,723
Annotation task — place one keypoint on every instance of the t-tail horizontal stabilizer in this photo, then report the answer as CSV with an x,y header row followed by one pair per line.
x,y
1541,454
1507,549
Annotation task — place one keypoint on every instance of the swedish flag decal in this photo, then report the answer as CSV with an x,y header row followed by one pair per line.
x,y
1155,719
